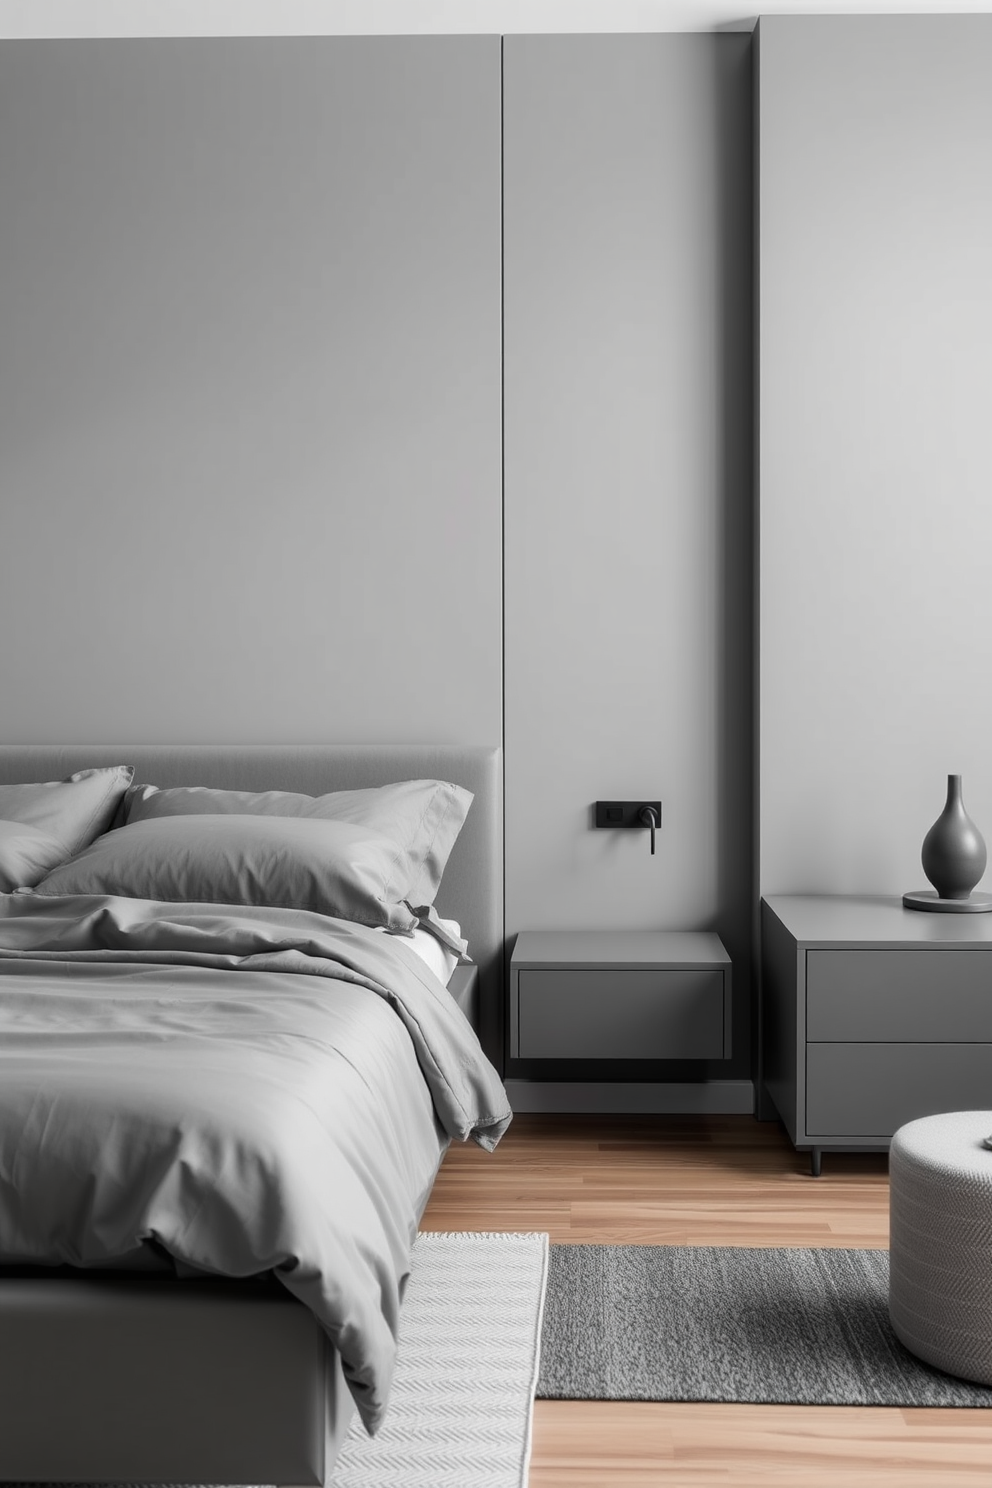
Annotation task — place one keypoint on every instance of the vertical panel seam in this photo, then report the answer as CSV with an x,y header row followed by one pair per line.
x,y
502,543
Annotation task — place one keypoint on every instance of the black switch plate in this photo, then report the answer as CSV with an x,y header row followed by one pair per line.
x,y
625,813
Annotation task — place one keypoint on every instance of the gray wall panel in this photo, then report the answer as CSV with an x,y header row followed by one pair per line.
x,y
250,308
875,213
249,390
627,473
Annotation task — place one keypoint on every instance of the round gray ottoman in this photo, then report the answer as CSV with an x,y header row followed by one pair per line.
x,y
940,1242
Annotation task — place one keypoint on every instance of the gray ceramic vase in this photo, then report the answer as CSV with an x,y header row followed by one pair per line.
x,y
954,853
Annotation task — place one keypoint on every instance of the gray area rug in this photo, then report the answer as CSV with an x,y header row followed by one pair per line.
x,y
756,1326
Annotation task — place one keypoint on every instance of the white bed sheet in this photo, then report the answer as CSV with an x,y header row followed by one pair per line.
x,y
437,957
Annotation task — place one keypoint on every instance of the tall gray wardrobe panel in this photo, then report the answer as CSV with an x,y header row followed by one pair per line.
x,y
627,352
250,417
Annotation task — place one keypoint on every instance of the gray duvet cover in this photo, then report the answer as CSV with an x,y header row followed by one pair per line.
x,y
244,1090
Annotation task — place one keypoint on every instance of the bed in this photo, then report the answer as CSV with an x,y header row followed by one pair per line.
x,y
146,1375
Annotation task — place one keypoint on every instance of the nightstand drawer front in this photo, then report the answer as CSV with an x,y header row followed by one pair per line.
x,y
612,1013
869,1090
938,995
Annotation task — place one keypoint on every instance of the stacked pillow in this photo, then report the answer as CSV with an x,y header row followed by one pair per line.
x,y
373,856
43,824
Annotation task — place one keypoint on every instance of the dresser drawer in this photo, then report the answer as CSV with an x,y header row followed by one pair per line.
x,y
614,1013
920,995
868,1090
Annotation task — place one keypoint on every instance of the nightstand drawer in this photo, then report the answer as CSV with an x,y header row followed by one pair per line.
x,y
615,1013
922,995
869,1090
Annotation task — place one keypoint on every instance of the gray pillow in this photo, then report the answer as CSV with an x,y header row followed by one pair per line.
x,y
45,822
333,867
422,817
26,855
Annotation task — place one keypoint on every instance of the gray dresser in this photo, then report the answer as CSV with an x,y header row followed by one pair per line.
x,y
871,1015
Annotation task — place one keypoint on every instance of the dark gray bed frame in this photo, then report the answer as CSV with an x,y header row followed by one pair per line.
x,y
151,1379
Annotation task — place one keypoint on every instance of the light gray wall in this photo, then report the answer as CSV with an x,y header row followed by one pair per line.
x,y
250,390
250,422
875,212
627,210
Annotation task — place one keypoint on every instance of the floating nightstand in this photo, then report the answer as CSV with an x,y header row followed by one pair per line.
x,y
616,995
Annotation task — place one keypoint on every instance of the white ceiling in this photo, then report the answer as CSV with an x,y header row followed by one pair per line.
x,y
26,18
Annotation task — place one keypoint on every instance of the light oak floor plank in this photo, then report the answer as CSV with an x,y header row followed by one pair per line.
x,y
720,1180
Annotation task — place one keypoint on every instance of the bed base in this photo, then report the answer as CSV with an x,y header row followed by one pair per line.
x,y
156,1379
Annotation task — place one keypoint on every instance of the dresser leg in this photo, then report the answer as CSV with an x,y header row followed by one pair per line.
x,y
816,1161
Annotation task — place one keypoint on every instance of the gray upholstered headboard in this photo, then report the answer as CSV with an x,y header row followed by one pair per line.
x,y
472,890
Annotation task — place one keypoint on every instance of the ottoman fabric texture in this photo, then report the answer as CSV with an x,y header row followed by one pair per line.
x,y
940,1242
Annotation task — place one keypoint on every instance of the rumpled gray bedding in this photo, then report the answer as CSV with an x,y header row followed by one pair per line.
x,y
249,1090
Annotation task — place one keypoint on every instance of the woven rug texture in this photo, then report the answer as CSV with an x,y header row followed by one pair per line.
x,y
783,1326
462,1400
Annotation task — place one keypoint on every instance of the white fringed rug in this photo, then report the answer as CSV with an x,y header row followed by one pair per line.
x,y
462,1400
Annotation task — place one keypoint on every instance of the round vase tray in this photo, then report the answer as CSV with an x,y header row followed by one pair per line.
x,y
931,900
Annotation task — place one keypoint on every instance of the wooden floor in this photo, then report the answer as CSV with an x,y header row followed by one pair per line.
x,y
724,1180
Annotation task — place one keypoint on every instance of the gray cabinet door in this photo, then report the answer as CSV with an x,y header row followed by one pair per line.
x,y
613,1014
940,995
869,1090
